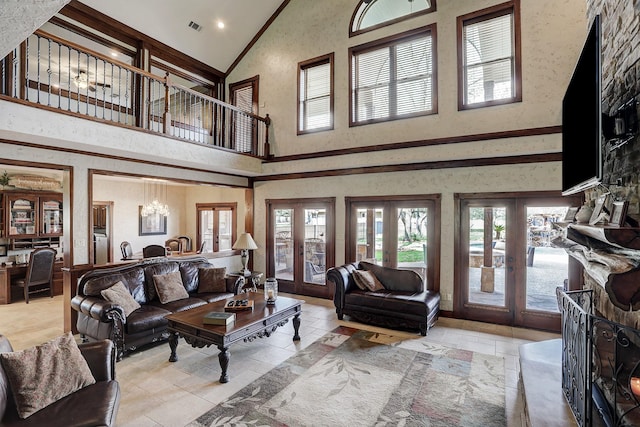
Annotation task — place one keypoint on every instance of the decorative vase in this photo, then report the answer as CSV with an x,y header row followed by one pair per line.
x,y
584,214
271,290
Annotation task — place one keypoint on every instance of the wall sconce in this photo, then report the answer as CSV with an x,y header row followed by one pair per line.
x,y
245,243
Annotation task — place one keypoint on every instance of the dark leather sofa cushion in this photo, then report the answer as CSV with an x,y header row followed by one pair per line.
x,y
73,411
213,296
146,318
157,269
189,271
179,305
393,279
133,280
419,304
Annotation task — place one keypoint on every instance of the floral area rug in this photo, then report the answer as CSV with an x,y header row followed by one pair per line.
x,y
352,377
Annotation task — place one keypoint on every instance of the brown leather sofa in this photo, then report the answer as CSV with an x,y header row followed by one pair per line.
x,y
94,405
99,319
404,303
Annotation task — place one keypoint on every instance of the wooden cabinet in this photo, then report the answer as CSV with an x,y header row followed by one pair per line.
x,y
32,214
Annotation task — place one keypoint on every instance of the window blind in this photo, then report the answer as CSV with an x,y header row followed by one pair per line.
x,y
315,97
489,59
393,81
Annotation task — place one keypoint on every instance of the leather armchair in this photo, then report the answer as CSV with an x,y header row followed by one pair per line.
x,y
94,405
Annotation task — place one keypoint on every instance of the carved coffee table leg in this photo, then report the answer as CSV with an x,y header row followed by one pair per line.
x,y
223,357
296,326
173,345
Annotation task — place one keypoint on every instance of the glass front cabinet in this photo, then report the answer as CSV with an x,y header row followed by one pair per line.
x,y
30,215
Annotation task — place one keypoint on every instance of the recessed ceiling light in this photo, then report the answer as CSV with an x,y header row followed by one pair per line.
x,y
220,24
114,54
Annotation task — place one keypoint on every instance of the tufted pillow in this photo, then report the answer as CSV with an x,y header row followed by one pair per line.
x,y
368,280
212,279
169,287
46,373
119,294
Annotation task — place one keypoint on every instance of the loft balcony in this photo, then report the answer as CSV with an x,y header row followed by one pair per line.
x,y
51,73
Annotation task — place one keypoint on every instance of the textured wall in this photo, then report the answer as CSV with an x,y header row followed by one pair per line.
x,y
552,35
620,82
20,18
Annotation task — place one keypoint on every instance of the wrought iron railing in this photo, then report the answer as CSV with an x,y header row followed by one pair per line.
x,y
600,364
57,74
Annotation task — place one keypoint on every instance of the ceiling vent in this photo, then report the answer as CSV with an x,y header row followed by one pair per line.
x,y
195,26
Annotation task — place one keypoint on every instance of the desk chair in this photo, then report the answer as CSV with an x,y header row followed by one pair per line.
x,y
186,243
175,245
127,251
153,250
39,276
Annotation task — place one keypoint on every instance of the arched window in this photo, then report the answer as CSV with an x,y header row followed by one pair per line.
x,y
372,14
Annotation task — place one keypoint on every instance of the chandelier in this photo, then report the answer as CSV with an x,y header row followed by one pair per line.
x,y
155,198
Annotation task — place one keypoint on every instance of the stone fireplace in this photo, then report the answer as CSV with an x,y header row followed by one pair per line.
x,y
600,321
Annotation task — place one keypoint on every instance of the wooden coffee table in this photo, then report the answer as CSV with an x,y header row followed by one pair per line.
x,y
260,322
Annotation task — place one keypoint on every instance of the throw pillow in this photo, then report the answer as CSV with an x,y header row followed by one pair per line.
x,y
119,294
169,287
212,279
359,281
46,373
368,279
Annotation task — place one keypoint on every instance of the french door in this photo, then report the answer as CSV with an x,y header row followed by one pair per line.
x,y
395,231
509,259
300,244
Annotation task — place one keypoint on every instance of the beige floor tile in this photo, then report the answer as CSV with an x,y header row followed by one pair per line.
x,y
158,393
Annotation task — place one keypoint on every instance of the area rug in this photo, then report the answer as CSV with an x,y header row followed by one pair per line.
x,y
352,377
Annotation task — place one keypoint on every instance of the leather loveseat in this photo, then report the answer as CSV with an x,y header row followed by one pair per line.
x,y
403,303
99,319
93,405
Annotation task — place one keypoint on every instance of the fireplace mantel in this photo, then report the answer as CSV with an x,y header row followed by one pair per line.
x,y
610,257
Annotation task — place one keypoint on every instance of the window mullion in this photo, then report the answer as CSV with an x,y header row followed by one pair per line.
x,y
393,82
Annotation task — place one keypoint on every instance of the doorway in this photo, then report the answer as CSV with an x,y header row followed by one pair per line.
x,y
510,258
300,244
395,231
101,221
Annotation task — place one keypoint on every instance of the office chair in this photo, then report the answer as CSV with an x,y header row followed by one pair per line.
x,y
127,251
153,250
39,276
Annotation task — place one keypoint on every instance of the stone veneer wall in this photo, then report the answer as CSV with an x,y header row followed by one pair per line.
x,y
620,21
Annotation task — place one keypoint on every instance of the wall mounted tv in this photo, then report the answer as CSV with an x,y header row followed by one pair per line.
x,y
582,119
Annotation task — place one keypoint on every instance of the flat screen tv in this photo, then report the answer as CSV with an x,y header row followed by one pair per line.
x,y
582,119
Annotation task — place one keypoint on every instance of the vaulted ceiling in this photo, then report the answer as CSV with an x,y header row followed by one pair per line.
x,y
168,22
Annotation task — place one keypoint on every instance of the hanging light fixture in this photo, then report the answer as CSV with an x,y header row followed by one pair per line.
x,y
155,198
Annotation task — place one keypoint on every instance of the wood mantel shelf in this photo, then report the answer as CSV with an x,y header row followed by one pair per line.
x,y
610,257
621,237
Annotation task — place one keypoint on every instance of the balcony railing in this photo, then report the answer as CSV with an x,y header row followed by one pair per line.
x,y
49,71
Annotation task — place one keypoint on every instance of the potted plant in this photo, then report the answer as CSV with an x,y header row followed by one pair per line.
x,y
4,179
498,228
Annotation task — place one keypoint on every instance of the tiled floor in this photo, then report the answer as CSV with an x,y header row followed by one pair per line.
x,y
156,392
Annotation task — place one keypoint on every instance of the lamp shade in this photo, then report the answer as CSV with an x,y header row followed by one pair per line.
x,y
245,241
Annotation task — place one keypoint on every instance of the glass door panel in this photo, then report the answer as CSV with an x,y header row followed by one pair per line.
x,y
314,245
486,280
283,243
206,229
411,244
225,228
546,264
369,235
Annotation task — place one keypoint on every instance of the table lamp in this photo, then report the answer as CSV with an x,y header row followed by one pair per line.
x,y
245,243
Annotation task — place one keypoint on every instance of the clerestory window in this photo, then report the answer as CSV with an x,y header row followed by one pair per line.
x,y
394,77
489,56
315,94
372,14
